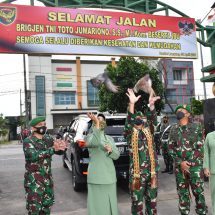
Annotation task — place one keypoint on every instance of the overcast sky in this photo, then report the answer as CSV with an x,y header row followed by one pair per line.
x,y
11,73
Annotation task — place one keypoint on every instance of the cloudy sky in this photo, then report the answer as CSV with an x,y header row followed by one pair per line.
x,y
11,72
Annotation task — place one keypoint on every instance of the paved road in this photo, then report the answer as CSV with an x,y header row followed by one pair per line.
x,y
68,202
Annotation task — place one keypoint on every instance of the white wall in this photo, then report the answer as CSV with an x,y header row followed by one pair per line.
x,y
41,65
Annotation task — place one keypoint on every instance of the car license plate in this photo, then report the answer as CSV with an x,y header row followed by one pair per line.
x,y
121,149
119,139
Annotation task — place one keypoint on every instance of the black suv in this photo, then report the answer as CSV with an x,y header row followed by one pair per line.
x,y
77,159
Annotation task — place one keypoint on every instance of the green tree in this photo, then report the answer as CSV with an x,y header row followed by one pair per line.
x,y
125,75
197,106
3,126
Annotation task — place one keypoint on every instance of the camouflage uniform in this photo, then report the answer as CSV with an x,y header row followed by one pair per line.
x,y
146,192
38,180
186,144
165,152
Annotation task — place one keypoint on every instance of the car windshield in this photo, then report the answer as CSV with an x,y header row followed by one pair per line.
x,y
114,130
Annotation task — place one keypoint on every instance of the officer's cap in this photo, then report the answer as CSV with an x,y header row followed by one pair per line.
x,y
37,120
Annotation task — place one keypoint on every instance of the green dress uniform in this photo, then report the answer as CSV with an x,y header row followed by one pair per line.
x,y
101,179
38,180
146,192
186,144
209,163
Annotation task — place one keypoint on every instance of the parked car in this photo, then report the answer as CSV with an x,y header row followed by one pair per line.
x,y
77,159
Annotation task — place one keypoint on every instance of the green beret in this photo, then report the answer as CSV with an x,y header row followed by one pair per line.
x,y
37,120
186,107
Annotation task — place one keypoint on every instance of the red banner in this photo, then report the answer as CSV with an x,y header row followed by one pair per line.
x,y
31,29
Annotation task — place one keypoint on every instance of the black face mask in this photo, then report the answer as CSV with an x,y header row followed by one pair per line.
x,y
138,121
180,115
41,130
165,121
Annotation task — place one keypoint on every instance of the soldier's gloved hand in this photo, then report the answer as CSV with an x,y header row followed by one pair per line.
x,y
207,172
185,166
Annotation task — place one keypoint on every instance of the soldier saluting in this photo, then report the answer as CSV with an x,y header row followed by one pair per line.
x,y
186,149
38,149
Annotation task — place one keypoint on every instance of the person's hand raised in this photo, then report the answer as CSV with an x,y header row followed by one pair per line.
x,y
94,119
132,98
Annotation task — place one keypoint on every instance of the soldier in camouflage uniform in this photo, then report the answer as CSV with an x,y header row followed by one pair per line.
x,y
186,148
38,149
166,156
143,161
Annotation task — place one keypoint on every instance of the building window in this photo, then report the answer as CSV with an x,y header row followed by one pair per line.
x,y
92,95
180,76
177,75
40,96
65,98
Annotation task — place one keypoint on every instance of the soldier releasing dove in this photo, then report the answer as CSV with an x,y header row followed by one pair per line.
x,y
145,84
104,79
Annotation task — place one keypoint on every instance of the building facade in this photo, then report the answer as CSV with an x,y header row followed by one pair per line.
x,y
178,79
61,89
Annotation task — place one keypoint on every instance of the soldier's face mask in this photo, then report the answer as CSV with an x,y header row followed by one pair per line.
x,y
180,115
138,121
41,130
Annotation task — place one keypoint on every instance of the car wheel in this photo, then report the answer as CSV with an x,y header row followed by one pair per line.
x,y
76,186
64,163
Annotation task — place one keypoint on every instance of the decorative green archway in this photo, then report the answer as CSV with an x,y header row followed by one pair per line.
x,y
206,34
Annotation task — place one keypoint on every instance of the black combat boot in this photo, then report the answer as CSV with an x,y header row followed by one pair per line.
x,y
166,169
170,169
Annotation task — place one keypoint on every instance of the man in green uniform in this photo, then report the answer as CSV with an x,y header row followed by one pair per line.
x,y
166,156
38,149
143,160
187,150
